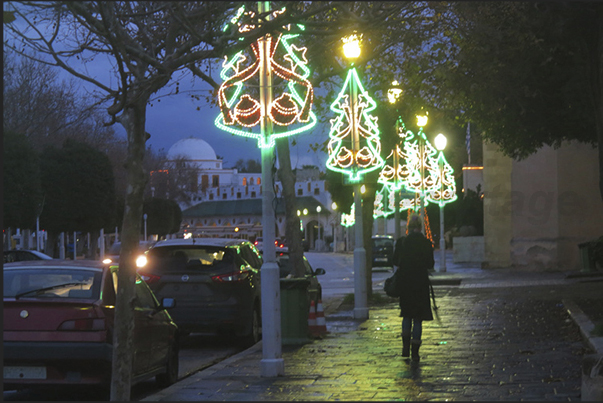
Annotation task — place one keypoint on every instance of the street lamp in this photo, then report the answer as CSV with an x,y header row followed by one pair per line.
x,y
334,208
393,94
440,144
351,50
318,209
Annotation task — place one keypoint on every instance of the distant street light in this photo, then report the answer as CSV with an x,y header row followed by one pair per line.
x,y
440,144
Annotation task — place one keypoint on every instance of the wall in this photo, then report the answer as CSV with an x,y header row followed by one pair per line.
x,y
497,207
468,249
537,210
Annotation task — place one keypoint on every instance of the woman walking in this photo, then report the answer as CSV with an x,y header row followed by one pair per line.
x,y
414,261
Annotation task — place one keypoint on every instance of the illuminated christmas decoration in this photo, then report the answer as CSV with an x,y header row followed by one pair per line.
x,y
420,172
384,204
347,220
428,234
354,146
240,106
391,173
445,188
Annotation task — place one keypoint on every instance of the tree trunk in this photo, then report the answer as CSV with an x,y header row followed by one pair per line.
x,y
133,119
292,232
368,203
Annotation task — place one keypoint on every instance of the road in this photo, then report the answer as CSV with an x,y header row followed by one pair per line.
x,y
339,277
199,352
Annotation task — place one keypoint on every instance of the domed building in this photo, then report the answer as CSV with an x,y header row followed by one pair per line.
x,y
195,150
216,200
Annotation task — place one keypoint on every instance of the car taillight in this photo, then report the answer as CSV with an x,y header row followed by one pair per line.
x,y
231,277
83,324
149,278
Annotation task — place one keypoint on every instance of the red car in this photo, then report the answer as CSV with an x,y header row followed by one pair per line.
x,y
58,326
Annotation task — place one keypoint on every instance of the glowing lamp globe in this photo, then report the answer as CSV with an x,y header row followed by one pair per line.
x,y
394,93
421,120
440,142
351,46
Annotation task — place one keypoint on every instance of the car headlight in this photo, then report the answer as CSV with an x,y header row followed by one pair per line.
x,y
141,261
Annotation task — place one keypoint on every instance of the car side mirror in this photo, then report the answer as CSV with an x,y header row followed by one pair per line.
x,y
168,303
319,271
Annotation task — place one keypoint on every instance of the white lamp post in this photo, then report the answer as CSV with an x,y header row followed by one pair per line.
x,y
318,210
334,208
440,144
393,94
351,50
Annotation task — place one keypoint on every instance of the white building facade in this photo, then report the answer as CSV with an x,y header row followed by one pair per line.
x,y
210,190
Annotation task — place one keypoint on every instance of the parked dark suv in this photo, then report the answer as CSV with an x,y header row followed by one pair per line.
x,y
383,250
216,282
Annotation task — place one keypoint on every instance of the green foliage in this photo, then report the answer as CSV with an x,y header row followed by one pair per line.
x,y
163,216
248,166
341,194
22,192
79,188
521,71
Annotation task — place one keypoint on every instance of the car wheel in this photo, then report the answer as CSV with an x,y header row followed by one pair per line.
x,y
255,334
171,369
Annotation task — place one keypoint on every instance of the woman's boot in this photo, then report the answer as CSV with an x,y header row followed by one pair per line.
x,y
405,344
415,344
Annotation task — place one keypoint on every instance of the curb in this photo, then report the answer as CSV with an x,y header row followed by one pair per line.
x,y
585,324
193,378
592,371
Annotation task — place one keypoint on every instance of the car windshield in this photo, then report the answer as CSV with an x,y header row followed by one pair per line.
x,y
195,257
44,283
383,243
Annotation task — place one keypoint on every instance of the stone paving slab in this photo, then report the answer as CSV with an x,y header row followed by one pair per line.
x,y
502,343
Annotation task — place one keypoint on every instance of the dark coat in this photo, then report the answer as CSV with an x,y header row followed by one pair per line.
x,y
415,259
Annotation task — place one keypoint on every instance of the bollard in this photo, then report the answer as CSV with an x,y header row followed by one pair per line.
x,y
592,378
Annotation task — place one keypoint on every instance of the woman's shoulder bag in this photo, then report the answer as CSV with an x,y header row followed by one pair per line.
x,y
391,286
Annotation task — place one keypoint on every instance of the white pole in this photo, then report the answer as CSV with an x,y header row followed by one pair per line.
x,y
38,233
74,245
272,363
62,246
101,239
442,240
360,297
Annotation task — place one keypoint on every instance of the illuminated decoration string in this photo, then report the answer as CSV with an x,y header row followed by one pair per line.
x,y
428,234
347,220
242,111
445,188
391,173
343,156
420,172
384,195
384,203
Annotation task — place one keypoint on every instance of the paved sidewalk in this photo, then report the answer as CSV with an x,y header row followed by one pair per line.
x,y
501,336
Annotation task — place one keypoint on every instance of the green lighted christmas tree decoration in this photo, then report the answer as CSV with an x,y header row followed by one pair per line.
x,y
445,189
420,171
241,107
347,220
354,145
384,203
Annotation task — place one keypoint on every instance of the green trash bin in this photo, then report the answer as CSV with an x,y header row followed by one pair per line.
x,y
295,307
